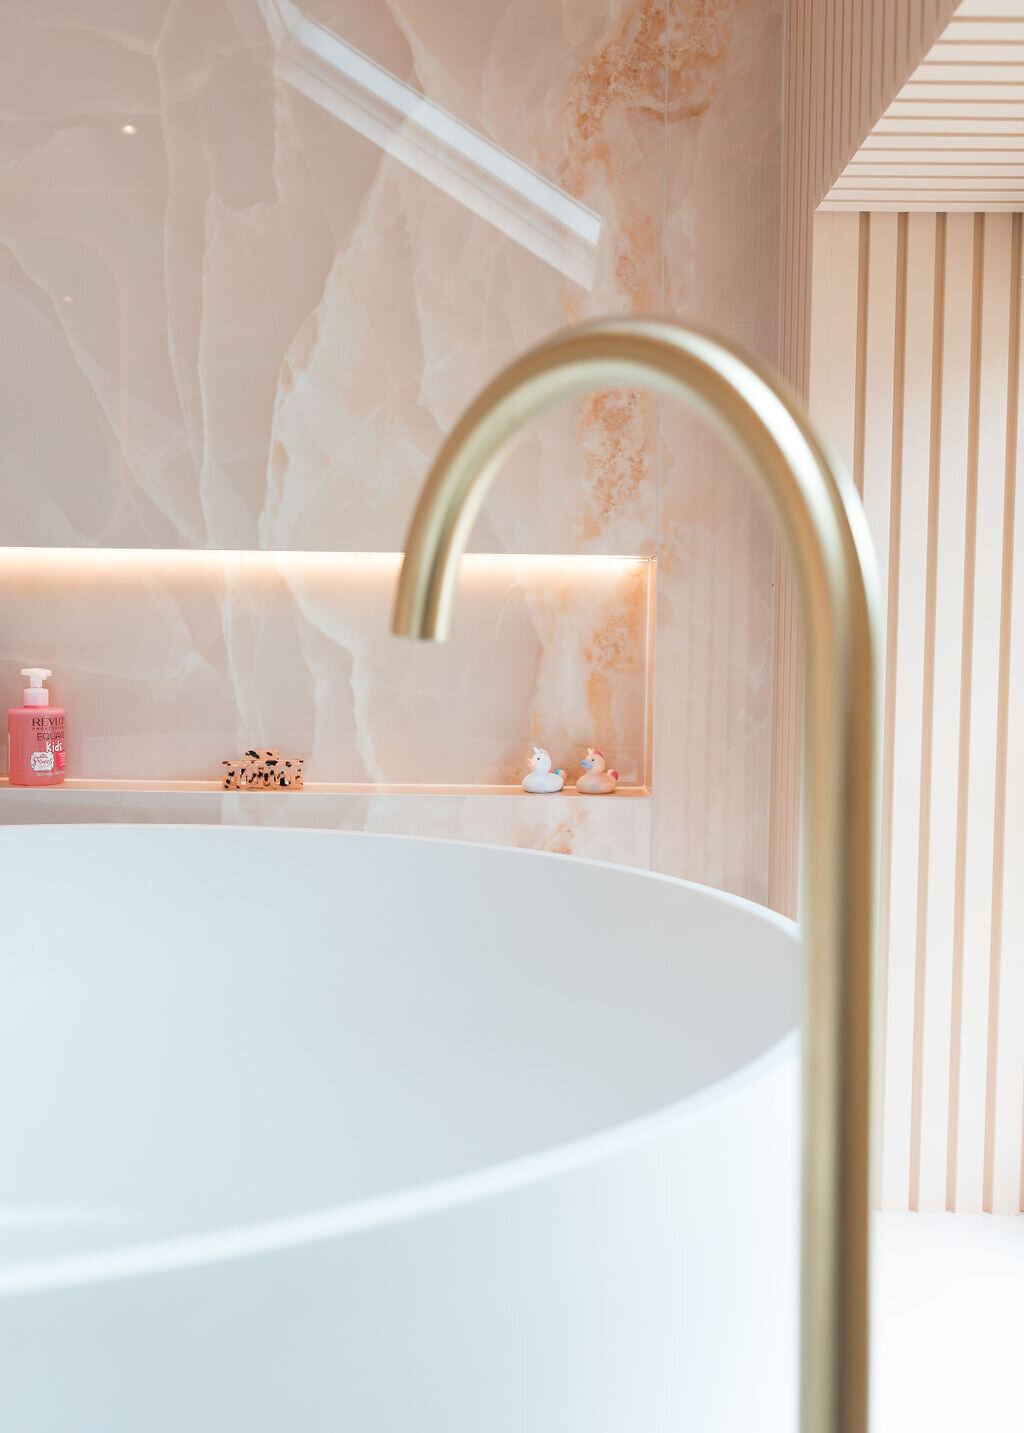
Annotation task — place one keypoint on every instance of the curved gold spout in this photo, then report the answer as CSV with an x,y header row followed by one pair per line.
x,y
824,527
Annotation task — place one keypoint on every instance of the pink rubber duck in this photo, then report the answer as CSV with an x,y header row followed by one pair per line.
x,y
595,781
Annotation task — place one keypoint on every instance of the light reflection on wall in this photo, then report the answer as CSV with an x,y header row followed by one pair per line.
x,y
168,660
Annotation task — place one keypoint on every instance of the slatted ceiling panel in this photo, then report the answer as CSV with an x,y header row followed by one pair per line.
x,y
962,101
929,406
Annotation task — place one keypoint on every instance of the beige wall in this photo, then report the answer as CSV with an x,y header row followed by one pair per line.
x,y
844,61
915,376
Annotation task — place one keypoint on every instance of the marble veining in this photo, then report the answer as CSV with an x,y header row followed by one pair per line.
x,y
241,323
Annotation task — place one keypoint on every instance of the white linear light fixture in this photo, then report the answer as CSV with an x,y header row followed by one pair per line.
x,y
433,143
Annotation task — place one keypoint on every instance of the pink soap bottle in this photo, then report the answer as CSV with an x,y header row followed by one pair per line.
x,y
36,735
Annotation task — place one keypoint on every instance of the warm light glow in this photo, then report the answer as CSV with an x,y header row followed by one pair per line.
x,y
128,129
198,557
501,593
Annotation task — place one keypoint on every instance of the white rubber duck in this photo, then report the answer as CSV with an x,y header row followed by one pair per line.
x,y
540,778
595,781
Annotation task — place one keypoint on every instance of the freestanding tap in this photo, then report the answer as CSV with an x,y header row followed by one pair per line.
x,y
824,526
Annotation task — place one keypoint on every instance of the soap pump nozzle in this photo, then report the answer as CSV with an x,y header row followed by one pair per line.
x,y
36,695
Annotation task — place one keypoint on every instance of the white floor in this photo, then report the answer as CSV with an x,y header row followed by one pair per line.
x,y
948,1324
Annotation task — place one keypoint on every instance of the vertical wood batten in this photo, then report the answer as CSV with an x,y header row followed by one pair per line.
x,y
931,405
961,1048
833,376
892,598
907,700
876,374
861,357
929,993
855,64
988,423
941,900
1007,1092
831,92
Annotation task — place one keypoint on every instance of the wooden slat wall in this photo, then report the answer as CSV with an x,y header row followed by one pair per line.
x,y
844,62
916,377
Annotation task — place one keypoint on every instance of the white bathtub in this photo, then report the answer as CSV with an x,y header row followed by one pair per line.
x,y
308,1131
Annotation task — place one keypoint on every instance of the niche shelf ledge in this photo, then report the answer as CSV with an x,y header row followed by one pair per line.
x,y
75,786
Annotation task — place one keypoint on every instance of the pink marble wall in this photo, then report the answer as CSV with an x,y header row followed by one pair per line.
x,y
715,543
245,324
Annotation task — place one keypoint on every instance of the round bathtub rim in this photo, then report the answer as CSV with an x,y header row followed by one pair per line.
x,y
725,898
216,1246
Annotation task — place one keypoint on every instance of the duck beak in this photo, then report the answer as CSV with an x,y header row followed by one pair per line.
x,y
587,764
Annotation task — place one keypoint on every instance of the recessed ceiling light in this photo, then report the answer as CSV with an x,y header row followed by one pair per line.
x,y
128,129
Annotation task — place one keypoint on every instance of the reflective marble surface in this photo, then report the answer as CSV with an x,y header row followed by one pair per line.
x,y
250,284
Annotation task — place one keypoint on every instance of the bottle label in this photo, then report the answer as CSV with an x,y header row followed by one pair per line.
x,y
48,740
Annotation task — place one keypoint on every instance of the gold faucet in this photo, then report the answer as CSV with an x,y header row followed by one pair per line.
x,y
823,523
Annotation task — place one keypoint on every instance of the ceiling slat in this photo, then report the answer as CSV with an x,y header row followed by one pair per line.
x,y
1000,32
977,52
1006,71
927,204
910,182
939,170
924,87
946,124
879,142
990,9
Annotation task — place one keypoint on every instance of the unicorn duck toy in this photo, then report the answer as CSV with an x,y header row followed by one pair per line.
x,y
540,778
595,781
